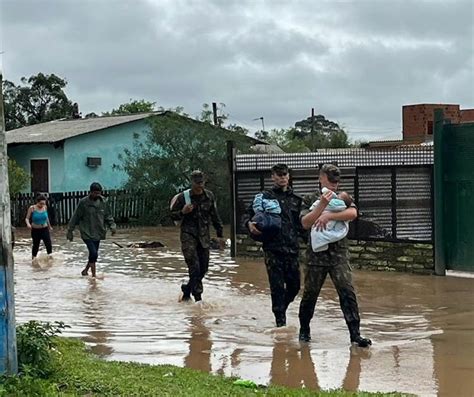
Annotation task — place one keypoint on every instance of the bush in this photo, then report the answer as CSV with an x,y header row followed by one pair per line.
x,y
18,178
36,347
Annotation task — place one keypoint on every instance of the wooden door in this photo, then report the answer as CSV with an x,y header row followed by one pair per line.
x,y
39,176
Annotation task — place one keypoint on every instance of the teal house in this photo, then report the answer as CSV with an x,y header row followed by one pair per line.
x,y
68,155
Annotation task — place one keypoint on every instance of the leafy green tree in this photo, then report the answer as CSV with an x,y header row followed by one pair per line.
x,y
176,145
18,178
320,133
132,107
40,98
208,117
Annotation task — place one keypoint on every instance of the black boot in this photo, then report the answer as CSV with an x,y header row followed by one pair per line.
x,y
360,341
280,319
186,292
354,331
305,334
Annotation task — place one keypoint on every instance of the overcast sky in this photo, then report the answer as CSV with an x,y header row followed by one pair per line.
x,y
355,62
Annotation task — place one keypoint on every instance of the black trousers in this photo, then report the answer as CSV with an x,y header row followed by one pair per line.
x,y
41,234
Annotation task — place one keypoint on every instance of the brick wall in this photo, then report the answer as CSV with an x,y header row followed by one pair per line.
x,y
467,116
368,255
418,120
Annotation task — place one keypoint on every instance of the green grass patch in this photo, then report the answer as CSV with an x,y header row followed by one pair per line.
x,y
79,372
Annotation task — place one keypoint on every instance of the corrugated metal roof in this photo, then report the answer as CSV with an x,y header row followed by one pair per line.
x,y
402,155
58,130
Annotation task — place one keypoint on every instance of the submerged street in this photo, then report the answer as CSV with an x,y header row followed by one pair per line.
x,y
421,326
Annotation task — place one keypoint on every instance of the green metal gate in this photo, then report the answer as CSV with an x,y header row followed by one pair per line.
x,y
454,195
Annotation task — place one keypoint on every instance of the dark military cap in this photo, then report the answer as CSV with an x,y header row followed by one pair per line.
x,y
332,172
197,176
280,168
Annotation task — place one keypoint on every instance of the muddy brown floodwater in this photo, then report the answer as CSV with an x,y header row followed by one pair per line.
x,y
421,326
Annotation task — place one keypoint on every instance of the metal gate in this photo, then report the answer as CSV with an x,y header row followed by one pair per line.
x,y
454,195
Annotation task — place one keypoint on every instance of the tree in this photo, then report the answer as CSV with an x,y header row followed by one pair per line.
x,y
18,178
41,98
132,107
175,146
208,117
320,133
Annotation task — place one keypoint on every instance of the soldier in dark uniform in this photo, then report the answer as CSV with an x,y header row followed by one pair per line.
x,y
196,217
334,261
281,251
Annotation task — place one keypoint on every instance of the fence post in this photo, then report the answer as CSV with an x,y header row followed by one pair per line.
x,y
231,150
438,165
394,201
8,355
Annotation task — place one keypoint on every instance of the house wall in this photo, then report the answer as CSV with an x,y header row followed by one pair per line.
x,y
106,144
67,164
22,154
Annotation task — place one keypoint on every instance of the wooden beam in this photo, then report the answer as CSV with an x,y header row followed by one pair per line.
x,y
8,354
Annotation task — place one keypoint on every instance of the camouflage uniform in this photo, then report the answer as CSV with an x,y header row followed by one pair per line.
x,y
195,237
281,252
335,261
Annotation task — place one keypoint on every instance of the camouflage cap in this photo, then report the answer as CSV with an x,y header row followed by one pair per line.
x,y
332,172
197,176
280,168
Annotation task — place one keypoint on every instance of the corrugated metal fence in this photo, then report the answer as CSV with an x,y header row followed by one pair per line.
x,y
126,205
392,188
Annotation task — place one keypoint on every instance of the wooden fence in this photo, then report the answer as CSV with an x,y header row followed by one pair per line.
x,y
127,206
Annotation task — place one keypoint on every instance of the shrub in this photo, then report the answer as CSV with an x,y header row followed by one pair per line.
x,y
36,347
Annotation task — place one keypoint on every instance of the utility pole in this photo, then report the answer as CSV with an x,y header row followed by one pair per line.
x,y
263,123
8,354
312,129
214,112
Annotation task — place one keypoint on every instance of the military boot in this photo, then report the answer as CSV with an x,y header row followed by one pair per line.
x,y
360,341
305,334
186,293
280,319
355,335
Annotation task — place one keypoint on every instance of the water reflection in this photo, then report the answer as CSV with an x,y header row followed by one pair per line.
x,y
352,379
293,365
421,326
96,335
199,356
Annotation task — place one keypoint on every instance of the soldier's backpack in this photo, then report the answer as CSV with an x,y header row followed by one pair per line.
x,y
187,198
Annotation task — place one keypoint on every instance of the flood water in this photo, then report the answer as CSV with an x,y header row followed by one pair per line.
x,y
421,326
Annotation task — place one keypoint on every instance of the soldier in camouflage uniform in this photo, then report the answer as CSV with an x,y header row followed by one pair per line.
x,y
334,261
281,252
195,218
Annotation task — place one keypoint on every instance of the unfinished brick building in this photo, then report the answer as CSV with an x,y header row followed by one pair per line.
x,y
418,120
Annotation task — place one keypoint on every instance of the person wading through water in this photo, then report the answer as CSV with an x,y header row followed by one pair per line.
x,y
196,209
93,217
281,248
333,261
